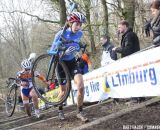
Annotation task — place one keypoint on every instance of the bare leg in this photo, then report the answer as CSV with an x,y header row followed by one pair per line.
x,y
35,102
27,109
62,90
26,104
34,98
78,79
60,108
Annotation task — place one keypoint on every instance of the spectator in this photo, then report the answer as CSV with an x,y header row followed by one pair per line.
x,y
155,23
108,56
129,41
129,44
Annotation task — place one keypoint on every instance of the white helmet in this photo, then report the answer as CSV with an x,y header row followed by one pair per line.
x,y
26,64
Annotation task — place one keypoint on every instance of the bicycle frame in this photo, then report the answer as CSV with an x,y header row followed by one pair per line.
x,y
14,84
50,66
55,58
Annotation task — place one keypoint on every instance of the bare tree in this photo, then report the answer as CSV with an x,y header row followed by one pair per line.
x,y
16,35
105,11
87,4
62,8
32,27
129,11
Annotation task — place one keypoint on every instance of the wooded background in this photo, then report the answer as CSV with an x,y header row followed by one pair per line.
x,y
30,25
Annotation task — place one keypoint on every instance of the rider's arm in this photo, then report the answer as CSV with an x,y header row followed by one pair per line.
x,y
56,42
19,79
41,77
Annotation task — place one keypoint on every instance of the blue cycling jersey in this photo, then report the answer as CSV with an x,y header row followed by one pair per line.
x,y
68,36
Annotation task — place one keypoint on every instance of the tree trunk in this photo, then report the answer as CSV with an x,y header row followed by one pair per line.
x,y
63,15
105,11
129,11
91,36
62,9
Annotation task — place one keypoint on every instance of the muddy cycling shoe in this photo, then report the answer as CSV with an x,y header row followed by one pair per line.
x,y
37,114
61,115
82,117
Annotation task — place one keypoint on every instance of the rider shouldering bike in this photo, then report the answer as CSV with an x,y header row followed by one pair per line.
x,y
72,36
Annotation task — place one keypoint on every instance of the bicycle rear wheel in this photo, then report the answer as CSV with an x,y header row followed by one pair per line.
x,y
10,102
48,96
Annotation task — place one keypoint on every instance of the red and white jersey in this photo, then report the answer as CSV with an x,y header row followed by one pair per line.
x,y
25,76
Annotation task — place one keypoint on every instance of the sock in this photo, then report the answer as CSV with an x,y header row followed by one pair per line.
x,y
80,109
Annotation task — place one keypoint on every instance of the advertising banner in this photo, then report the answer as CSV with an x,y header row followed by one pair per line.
x,y
137,75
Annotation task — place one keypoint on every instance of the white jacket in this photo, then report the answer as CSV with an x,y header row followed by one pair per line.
x,y
106,58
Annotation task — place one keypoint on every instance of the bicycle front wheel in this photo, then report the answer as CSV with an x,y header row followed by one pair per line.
x,y
10,102
53,95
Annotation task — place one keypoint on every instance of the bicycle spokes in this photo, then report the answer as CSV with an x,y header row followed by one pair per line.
x,y
58,76
10,102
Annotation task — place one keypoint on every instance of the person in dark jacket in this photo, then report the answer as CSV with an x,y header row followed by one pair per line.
x,y
108,55
129,45
147,27
155,23
129,41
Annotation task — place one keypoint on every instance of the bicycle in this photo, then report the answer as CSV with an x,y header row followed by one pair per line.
x,y
52,75
47,65
41,66
11,98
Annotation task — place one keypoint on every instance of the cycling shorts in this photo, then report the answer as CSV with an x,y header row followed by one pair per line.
x,y
26,91
73,70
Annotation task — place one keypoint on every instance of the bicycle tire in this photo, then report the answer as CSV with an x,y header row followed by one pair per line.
x,y
40,65
11,100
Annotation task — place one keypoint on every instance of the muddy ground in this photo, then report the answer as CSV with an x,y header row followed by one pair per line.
x,y
144,118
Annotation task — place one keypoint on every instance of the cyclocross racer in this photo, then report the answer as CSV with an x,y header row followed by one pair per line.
x,y
71,40
26,87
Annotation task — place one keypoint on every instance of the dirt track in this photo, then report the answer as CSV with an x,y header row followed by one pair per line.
x,y
145,117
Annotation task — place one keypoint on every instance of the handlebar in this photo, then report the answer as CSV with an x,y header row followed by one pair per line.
x,y
12,80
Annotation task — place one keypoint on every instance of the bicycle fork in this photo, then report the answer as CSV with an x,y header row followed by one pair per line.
x,y
55,60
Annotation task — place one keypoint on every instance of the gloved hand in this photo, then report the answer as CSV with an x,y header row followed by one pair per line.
x,y
71,48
